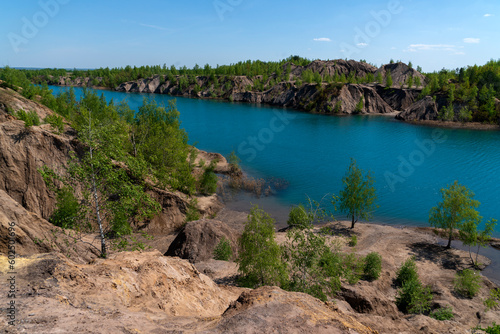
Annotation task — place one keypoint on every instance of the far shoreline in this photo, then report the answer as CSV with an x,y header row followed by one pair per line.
x,y
429,123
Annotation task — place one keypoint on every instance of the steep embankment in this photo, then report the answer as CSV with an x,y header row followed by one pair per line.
x,y
25,150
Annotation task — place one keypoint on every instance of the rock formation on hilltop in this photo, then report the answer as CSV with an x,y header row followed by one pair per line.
x,y
400,73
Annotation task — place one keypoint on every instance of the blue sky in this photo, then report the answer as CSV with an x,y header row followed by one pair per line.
x,y
89,34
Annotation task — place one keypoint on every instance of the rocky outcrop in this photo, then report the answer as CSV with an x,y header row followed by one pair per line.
x,y
398,99
33,234
400,73
133,292
336,67
425,109
373,103
22,152
197,240
272,309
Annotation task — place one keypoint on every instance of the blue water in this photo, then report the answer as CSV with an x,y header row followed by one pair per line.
x,y
312,152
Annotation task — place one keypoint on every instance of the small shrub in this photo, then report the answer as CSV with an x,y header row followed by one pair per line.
x,y
192,212
223,251
353,268
414,298
373,266
338,107
493,300
299,218
407,272
493,329
467,283
354,240
68,210
30,118
208,181
56,122
442,313
359,106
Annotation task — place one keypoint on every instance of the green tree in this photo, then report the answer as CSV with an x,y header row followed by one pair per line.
x,y
417,81
388,79
457,208
299,217
471,236
259,257
314,268
359,106
223,250
358,197
409,81
159,141
373,266
107,190
208,181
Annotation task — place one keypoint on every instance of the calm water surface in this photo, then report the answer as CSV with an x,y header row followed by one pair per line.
x,y
312,152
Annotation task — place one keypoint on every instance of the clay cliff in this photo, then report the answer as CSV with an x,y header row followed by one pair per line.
x,y
24,150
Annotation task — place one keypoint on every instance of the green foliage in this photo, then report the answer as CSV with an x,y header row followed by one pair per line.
x,y
467,283
223,250
373,266
56,122
493,329
457,208
353,241
388,79
359,106
409,81
442,314
68,212
465,114
158,140
417,81
192,212
352,268
447,113
314,268
30,118
357,198
338,107
414,298
208,181
407,272
234,162
259,257
471,236
299,218
493,300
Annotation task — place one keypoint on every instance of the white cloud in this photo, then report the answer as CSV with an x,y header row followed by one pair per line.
x,y
471,40
430,47
152,26
488,15
322,39
460,53
362,45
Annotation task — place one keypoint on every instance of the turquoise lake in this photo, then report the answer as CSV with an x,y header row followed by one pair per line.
x,y
312,152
